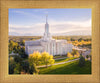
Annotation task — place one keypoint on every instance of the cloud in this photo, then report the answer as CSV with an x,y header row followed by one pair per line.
x,y
54,26
39,10
36,29
46,12
20,12
32,15
67,26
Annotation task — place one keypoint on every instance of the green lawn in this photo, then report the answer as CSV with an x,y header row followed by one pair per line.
x,y
61,60
65,59
58,56
67,68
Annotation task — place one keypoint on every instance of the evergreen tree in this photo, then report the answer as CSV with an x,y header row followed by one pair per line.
x,y
32,68
25,66
87,56
17,69
81,61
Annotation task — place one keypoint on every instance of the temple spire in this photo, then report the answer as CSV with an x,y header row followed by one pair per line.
x,y
46,18
46,33
47,26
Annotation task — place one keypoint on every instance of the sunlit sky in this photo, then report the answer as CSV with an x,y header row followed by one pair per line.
x,y
31,22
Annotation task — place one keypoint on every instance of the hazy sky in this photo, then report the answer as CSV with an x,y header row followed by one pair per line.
x,y
30,22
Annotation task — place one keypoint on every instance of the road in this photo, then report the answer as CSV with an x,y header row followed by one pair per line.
x,y
84,54
84,51
59,63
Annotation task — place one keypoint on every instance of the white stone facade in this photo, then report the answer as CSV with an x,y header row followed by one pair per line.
x,y
46,43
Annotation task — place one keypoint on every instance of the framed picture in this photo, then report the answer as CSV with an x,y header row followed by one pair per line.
x,y
49,41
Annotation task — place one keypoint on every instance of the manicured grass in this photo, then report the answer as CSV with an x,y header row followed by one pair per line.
x,y
63,60
67,68
60,60
58,56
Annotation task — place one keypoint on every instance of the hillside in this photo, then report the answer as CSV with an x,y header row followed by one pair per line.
x,y
20,38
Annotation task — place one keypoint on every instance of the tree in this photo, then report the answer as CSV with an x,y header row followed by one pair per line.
x,y
11,46
18,59
23,42
35,58
25,55
47,59
72,39
90,55
38,58
11,59
51,60
25,66
87,56
12,65
11,68
69,55
81,61
22,52
73,52
32,68
80,39
17,69
15,47
77,54
68,39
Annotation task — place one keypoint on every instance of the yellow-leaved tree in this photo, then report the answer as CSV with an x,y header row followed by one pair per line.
x,y
69,55
35,58
51,60
47,59
77,54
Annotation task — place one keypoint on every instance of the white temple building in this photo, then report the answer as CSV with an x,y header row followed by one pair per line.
x,y
48,44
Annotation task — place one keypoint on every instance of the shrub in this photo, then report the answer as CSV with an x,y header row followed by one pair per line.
x,y
87,56
81,61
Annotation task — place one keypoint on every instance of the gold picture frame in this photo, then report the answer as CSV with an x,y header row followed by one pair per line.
x,y
91,78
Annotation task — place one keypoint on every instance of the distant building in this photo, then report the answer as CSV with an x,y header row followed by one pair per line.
x,y
46,43
13,53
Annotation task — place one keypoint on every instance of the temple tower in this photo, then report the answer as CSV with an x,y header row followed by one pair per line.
x,y
47,35
46,26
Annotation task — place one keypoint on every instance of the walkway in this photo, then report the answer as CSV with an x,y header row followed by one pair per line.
x,y
59,63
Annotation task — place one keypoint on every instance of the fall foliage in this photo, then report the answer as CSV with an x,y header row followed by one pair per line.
x,y
38,58
69,55
35,58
